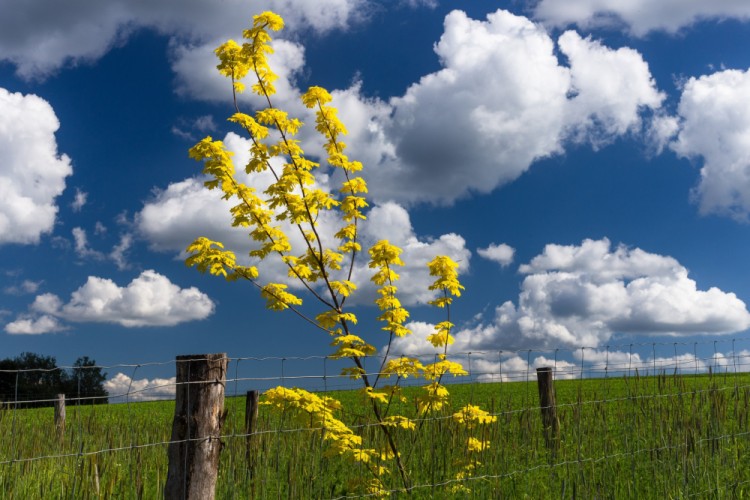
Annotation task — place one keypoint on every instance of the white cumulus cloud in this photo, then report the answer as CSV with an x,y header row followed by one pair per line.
x,y
581,295
500,253
34,325
32,172
610,89
639,17
121,388
502,100
714,128
149,300
497,105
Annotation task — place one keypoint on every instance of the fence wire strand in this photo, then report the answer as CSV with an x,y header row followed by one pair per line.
x,y
609,363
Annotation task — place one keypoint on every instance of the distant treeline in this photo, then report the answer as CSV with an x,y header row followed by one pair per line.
x,y
33,380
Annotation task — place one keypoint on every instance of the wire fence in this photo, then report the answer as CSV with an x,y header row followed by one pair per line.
x,y
664,418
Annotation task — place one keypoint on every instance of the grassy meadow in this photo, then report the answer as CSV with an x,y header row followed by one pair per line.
x,y
668,436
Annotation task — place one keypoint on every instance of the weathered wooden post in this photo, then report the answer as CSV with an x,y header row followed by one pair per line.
x,y
60,415
196,429
549,407
251,418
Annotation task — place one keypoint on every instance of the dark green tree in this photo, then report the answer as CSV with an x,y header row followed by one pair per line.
x,y
32,380
86,382
8,373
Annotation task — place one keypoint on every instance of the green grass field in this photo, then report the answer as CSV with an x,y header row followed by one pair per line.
x,y
628,437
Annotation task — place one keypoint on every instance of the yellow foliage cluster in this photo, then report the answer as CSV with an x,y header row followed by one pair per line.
x,y
472,418
317,412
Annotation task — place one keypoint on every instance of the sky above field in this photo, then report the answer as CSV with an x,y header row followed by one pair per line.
x,y
586,162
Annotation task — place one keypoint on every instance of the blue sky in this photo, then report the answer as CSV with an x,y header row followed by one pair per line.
x,y
587,162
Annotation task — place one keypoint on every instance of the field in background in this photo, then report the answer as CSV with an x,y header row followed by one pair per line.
x,y
625,437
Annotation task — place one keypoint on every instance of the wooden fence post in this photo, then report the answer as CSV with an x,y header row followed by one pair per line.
x,y
251,418
60,415
549,407
196,429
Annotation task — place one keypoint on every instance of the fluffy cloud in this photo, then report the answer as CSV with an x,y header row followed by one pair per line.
x,y
714,119
502,253
496,106
502,101
610,89
575,296
34,326
39,37
581,295
149,300
32,172
639,16
515,368
122,387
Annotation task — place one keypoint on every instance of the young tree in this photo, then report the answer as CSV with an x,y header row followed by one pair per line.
x,y
324,267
